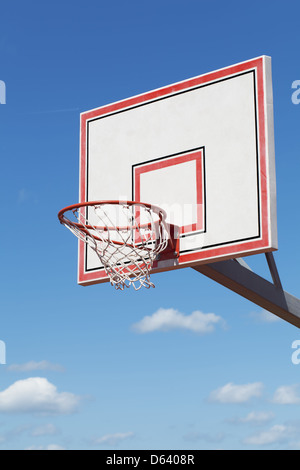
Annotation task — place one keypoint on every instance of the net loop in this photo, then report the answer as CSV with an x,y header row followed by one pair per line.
x,y
126,236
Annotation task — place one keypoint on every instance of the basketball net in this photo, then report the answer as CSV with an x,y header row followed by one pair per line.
x,y
127,237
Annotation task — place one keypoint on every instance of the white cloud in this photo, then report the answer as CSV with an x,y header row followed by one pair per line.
x,y
287,395
36,394
275,434
171,319
231,393
113,439
34,365
257,418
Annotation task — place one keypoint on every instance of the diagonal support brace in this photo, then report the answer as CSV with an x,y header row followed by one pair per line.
x,y
237,277
273,270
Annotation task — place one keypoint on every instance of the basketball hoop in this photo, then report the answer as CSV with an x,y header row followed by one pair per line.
x,y
126,236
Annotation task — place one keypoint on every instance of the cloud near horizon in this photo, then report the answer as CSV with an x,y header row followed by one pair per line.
x,y
276,434
113,440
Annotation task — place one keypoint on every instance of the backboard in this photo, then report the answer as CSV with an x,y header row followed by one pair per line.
x,y
203,150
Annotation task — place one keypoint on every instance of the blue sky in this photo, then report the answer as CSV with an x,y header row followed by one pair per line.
x,y
80,372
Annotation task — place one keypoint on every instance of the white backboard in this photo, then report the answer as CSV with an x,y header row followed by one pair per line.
x,y
203,150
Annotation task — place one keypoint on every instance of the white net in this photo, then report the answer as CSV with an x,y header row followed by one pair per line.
x,y
126,236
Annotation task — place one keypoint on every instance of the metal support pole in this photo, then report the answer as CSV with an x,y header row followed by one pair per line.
x,y
237,277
